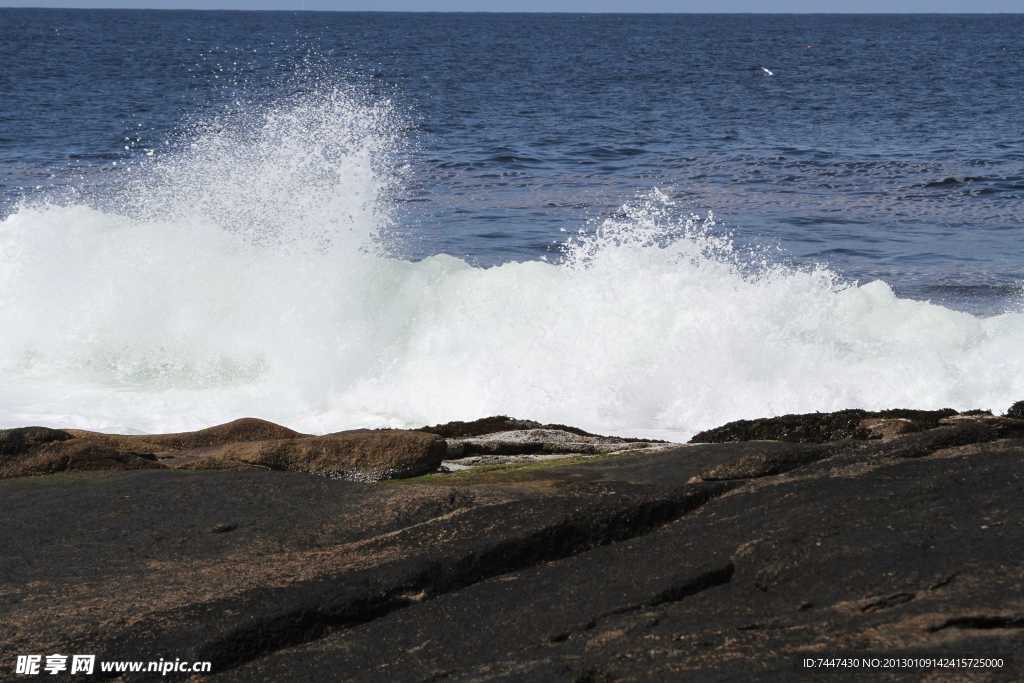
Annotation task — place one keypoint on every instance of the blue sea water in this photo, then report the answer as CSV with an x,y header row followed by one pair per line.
x,y
887,146
842,148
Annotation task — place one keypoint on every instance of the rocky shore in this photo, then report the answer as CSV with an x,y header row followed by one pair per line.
x,y
505,549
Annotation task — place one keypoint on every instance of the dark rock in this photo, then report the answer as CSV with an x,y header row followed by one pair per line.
x,y
223,528
1016,410
762,459
822,427
490,425
727,561
711,596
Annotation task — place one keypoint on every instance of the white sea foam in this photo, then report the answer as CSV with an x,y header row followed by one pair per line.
x,y
245,275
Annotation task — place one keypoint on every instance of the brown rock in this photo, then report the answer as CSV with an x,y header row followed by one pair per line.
x,y
75,455
21,440
359,455
887,428
247,443
242,430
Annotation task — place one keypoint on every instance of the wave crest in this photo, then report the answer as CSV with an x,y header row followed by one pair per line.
x,y
242,274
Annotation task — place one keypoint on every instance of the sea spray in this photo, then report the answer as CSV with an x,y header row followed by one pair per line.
x,y
247,273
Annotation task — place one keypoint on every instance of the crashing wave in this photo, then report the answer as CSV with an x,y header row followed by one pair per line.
x,y
248,273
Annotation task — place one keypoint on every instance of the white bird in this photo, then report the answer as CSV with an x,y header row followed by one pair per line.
x,y
767,71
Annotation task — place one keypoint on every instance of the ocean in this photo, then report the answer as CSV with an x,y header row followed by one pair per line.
x,y
637,224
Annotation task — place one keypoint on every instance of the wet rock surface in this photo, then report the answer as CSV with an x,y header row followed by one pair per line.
x,y
721,561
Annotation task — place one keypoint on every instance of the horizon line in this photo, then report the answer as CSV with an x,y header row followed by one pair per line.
x,y
538,12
